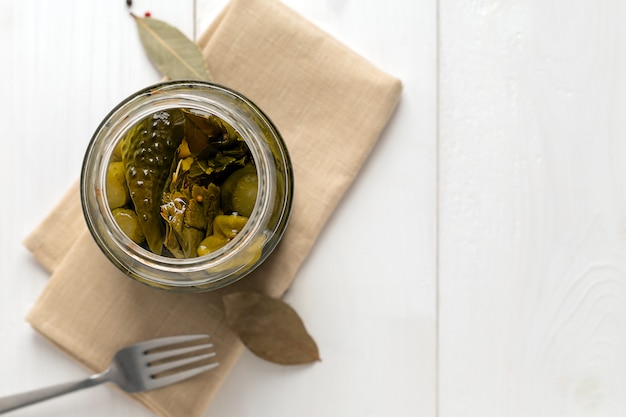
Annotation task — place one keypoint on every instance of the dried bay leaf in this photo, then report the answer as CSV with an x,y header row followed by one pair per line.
x,y
270,328
175,55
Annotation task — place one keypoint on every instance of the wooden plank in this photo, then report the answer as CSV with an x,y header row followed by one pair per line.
x,y
65,64
532,203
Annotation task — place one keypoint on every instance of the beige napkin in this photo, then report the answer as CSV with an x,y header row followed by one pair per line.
x,y
330,105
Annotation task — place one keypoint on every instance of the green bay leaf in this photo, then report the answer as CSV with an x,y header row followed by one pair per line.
x,y
270,328
174,55
201,130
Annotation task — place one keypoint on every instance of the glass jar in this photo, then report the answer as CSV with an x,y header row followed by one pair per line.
x,y
265,226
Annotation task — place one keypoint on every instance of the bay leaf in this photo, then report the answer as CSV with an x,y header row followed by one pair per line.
x,y
174,55
270,328
201,131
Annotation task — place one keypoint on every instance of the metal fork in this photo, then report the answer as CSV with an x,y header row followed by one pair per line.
x,y
140,367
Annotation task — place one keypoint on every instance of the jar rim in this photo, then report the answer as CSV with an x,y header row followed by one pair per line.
x,y
198,96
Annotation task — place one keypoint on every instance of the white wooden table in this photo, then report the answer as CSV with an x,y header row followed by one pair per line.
x,y
493,209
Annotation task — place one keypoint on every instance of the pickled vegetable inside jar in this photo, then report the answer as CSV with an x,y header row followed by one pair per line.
x,y
181,184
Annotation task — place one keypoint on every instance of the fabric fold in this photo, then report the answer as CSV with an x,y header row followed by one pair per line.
x,y
329,104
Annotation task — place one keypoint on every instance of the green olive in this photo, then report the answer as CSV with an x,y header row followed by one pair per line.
x,y
117,191
128,221
210,244
225,228
239,191
244,194
228,226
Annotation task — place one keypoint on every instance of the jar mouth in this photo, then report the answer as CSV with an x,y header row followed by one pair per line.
x,y
164,271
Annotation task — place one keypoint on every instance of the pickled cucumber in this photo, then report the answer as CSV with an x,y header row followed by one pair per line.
x,y
148,151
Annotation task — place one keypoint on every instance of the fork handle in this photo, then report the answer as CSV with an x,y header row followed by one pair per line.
x,y
12,402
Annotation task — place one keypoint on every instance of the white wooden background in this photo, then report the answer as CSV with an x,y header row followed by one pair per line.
x,y
500,292
532,208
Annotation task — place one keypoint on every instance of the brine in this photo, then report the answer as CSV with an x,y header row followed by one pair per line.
x,y
181,184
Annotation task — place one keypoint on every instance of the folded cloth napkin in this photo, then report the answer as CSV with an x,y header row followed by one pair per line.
x,y
329,104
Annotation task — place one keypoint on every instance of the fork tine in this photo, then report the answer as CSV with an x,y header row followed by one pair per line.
x,y
171,340
180,376
153,357
172,365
